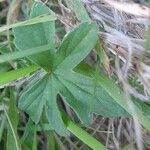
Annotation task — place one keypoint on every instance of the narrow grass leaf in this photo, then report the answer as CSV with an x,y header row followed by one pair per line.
x,y
20,54
34,145
85,137
7,77
13,120
2,126
36,20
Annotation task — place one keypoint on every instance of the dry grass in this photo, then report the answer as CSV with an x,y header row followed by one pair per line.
x,y
126,26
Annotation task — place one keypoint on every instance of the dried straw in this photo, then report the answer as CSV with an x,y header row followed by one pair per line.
x,y
126,25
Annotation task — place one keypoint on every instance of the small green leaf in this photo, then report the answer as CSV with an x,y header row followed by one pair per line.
x,y
78,8
36,35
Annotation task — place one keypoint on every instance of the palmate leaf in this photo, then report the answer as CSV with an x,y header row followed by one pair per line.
x,y
79,91
44,92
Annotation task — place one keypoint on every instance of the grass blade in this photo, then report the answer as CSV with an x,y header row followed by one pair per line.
x,y
21,54
12,116
12,129
85,137
7,77
39,19
34,146
2,126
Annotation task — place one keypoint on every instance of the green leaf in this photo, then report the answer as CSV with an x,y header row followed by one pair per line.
x,y
76,46
78,8
36,35
29,128
86,96
120,98
13,120
42,95
34,145
81,92
2,126
4,67
85,137
144,107
51,141
20,54
39,19
6,77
